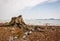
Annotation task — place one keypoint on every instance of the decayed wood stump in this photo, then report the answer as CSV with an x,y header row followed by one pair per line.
x,y
17,28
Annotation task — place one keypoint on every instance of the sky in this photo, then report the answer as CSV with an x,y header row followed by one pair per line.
x,y
30,9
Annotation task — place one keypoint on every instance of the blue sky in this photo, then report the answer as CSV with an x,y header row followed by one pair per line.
x,y
30,9
45,10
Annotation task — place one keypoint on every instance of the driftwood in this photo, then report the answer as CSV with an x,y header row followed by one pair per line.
x,y
43,33
19,22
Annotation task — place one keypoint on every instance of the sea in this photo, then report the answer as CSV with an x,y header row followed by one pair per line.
x,y
55,22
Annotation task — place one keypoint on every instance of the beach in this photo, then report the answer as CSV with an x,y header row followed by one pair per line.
x,y
12,31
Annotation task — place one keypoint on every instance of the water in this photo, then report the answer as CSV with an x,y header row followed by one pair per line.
x,y
43,22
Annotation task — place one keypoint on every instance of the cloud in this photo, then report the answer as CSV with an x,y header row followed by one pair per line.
x,y
20,4
11,7
52,1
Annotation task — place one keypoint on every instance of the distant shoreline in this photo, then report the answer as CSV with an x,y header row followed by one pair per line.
x,y
47,19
